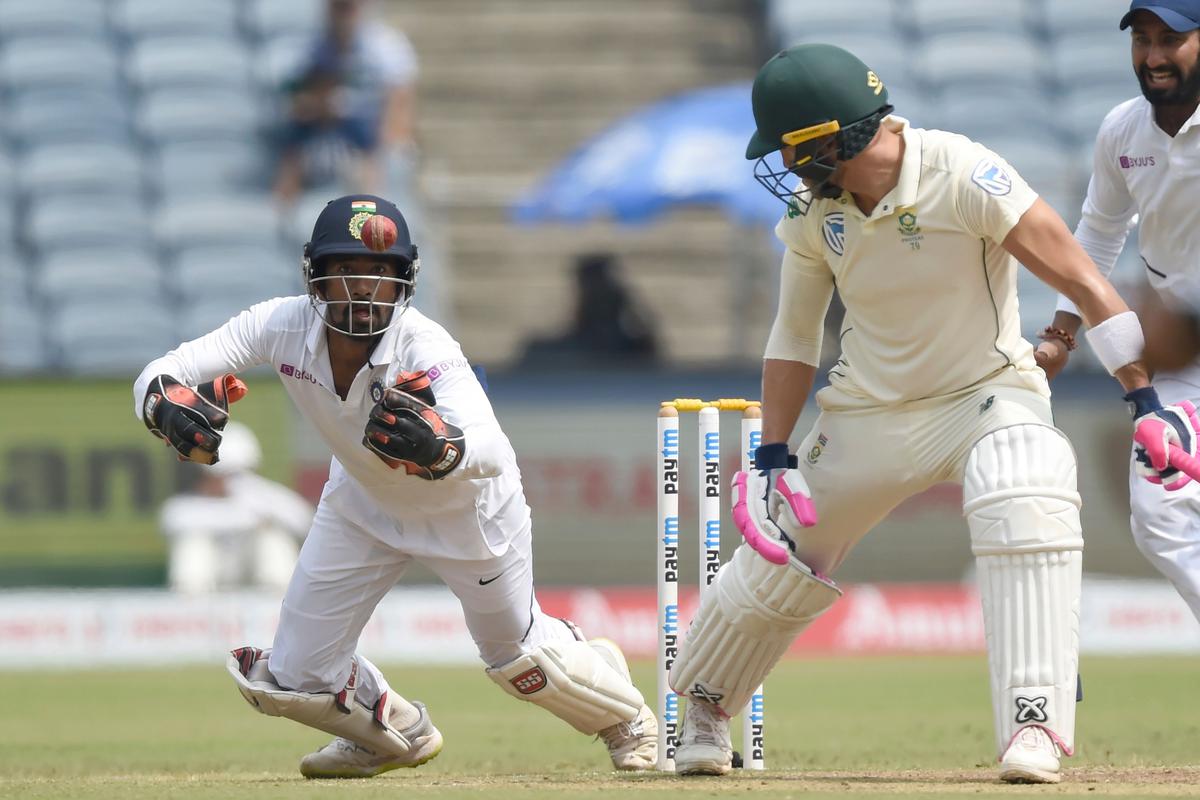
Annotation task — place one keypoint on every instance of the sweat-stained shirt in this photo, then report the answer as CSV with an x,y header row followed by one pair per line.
x,y
472,513
930,295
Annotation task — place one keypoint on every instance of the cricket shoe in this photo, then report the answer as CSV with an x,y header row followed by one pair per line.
x,y
632,745
704,747
343,758
1031,757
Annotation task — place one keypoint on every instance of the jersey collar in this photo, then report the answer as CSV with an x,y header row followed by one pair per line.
x,y
904,193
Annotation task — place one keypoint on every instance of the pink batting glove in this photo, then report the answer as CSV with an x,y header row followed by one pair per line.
x,y
770,506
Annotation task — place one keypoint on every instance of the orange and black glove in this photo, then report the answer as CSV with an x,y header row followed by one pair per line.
x,y
405,430
191,420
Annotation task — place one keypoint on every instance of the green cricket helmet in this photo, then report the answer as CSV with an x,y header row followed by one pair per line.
x,y
824,101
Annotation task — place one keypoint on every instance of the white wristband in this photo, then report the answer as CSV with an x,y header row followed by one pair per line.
x,y
1117,341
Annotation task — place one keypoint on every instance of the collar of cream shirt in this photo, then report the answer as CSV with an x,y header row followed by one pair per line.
x,y
904,193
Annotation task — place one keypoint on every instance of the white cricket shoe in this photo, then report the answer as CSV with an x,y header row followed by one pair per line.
x,y
343,758
704,747
632,745
1032,757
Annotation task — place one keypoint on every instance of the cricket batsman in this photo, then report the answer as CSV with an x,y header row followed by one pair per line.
x,y
921,232
421,472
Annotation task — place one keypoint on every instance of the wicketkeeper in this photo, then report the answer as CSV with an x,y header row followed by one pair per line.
x,y
920,231
421,472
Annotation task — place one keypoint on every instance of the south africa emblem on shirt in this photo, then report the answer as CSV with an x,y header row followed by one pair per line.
x,y
834,230
910,231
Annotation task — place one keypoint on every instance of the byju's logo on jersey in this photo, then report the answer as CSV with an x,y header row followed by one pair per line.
x,y
989,176
298,374
1129,162
835,231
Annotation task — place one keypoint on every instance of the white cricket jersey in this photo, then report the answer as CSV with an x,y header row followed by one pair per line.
x,y
472,513
1139,170
930,295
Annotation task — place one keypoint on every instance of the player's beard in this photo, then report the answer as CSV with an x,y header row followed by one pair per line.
x,y
1185,93
341,316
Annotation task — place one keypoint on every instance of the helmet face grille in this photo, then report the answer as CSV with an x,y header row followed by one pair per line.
x,y
340,315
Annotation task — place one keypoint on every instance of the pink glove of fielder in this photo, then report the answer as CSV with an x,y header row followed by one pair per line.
x,y
1159,430
772,503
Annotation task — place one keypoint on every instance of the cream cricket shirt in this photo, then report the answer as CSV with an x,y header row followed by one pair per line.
x,y
1139,169
470,514
930,296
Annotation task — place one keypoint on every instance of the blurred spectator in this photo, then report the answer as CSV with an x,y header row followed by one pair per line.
x,y
234,529
349,106
608,323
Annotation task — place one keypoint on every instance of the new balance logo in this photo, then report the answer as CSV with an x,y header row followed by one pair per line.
x,y
1031,709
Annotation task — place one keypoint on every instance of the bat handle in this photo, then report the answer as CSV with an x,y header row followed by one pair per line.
x,y
1187,464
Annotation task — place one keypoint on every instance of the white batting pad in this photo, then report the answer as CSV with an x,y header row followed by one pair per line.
x,y
1021,504
574,683
748,619
337,714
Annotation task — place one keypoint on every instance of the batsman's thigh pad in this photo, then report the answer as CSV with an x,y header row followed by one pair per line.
x,y
1021,503
338,714
745,623
573,682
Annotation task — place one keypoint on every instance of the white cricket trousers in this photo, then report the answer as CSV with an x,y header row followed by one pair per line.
x,y
1166,528
344,571
861,464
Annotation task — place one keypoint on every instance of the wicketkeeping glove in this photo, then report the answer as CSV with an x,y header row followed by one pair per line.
x,y
1155,429
771,503
405,430
191,420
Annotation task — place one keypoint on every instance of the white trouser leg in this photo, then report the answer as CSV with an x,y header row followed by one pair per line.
x,y
499,603
340,577
532,656
1166,529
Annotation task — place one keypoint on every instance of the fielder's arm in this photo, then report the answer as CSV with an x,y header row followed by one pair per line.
x,y
1043,243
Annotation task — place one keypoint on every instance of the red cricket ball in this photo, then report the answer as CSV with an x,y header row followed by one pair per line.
x,y
379,233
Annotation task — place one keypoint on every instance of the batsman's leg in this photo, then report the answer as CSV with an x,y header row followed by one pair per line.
x,y
746,621
1021,503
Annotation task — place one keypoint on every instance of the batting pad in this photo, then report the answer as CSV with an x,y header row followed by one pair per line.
x,y
574,683
337,714
1021,504
746,621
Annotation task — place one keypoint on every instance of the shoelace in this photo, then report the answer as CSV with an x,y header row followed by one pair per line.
x,y
620,734
707,726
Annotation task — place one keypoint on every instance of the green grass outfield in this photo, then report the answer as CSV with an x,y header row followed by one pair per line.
x,y
838,727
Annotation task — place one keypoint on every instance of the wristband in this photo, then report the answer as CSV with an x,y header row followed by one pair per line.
x,y
774,456
1118,341
1143,401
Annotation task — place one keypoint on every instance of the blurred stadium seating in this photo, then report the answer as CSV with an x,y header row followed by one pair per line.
x,y
1032,79
137,133
134,169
